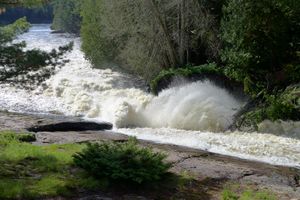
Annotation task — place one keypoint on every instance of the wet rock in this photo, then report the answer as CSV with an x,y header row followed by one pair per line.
x,y
57,32
71,126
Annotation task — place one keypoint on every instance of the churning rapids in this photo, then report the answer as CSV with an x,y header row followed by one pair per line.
x,y
190,114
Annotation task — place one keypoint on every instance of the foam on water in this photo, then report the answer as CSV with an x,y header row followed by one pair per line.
x,y
191,114
17,100
91,93
254,146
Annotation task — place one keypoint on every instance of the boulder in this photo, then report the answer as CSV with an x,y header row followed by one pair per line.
x,y
71,126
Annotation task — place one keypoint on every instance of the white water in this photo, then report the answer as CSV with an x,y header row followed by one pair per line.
x,y
192,114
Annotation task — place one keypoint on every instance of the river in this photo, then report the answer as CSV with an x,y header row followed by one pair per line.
x,y
188,114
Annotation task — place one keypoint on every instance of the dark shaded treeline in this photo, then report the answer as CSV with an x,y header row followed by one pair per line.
x,y
9,14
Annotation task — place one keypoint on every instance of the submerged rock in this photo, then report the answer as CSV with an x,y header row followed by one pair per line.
x,y
72,126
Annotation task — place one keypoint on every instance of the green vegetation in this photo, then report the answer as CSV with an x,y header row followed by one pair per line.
x,y
29,171
10,136
137,35
16,63
125,162
258,44
66,15
97,48
20,26
167,75
283,105
261,37
247,195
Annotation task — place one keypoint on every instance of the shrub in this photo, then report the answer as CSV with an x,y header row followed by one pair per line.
x,y
184,72
122,162
285,105
281,105
26,137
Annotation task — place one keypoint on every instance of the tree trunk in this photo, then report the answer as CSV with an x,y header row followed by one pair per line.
x,y
182,33
163,26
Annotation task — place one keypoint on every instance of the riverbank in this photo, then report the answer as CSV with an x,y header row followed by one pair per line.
x,y
209,173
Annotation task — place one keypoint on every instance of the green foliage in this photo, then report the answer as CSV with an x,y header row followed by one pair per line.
x,y
22,137
229,195
285,105
67,15
26,68
18,27
247,195
98,48
292,72
260,37
37,172
33,3
17,64
138,36
26,137
122,162
184,72
281,105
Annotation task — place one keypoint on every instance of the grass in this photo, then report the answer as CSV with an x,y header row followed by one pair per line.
x,y
236,192
29,171
36,172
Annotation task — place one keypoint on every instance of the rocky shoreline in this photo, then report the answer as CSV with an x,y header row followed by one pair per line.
x,y
201,165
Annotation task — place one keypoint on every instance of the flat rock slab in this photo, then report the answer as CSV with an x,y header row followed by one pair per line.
x,y
202,165
77,137
47,123
71,126
20,122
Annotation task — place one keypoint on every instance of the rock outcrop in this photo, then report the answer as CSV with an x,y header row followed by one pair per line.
x,y
72,126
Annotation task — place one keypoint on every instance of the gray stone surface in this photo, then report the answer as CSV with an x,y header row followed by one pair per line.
x,y
199,164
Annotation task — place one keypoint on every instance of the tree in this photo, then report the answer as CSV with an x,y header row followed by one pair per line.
x,y
26,68
261,39
149,35
67,15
